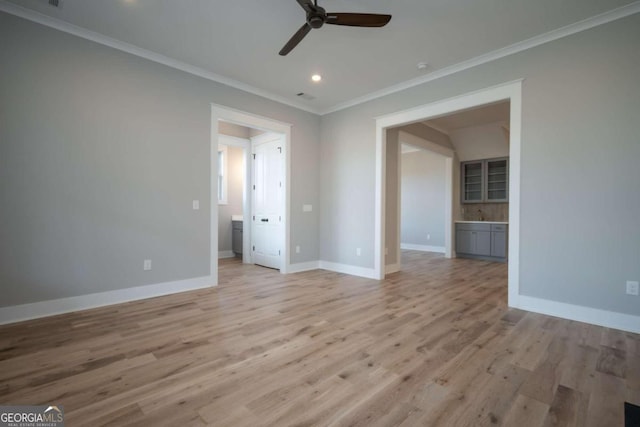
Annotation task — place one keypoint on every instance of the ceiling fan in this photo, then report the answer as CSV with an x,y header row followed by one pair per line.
x,y
317,17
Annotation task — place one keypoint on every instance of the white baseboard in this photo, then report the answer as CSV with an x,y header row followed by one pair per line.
x,y
391,268
595,316
353,270
303,266
226,254
19,313
423,248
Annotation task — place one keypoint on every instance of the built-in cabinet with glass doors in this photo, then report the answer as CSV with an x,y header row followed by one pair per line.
x,y
485,181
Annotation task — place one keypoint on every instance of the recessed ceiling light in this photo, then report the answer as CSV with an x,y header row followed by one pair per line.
x,y
316,77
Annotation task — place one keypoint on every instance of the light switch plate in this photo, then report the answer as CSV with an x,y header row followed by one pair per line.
x,y
307,208
196,205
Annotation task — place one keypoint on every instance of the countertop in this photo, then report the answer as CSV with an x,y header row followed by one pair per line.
x,y
483,222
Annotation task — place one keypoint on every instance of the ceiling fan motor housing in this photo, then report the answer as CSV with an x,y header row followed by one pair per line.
x,y
316,18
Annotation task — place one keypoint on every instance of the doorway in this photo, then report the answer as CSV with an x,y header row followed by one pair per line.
x,y
279,235
266,201
511,92
419,193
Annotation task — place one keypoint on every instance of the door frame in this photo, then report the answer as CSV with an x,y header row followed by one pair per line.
x,y
221,112
256,141
509,91
448,155
245,144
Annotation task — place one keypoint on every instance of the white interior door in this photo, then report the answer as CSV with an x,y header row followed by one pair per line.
x,y
267,201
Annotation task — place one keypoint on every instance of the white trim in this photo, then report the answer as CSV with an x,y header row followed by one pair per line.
x,y
559,33
392,268
93,36
407,149
225,185
19,313
550,36
380,199
508,91
515,159
608,319
353,270
423,248
448,207
233,141
226,254
219,112
304,266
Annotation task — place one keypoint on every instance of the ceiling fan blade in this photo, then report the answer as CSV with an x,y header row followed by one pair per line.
x,y
307,5
297,38
358,19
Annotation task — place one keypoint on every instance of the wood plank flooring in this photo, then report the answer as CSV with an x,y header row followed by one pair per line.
x,y
432,345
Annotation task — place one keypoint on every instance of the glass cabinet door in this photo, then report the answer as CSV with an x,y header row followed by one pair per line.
x,y
472,174
497,180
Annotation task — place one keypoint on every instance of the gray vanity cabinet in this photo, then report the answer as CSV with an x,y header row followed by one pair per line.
x,y
236,237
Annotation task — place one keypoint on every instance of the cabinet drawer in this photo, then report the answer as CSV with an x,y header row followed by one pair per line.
x,y
473,227
498,227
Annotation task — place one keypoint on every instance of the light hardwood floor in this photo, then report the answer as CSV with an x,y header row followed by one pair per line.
x,y
432,345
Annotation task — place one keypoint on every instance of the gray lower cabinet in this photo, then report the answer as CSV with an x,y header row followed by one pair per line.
x,y
236,237
484,241
499,240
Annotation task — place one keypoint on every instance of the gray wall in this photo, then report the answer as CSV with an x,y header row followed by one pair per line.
x,y
423,196
101,154
235,184
580,237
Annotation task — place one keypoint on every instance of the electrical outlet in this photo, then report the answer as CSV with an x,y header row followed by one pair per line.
x,y
196,205
297,249
632,287
358,251
147,265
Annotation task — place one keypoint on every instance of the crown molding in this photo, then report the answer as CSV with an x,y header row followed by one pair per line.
x,y
559,33
550,36
58,24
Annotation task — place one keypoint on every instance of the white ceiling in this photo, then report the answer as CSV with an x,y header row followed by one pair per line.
x,y
240,40
492,113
